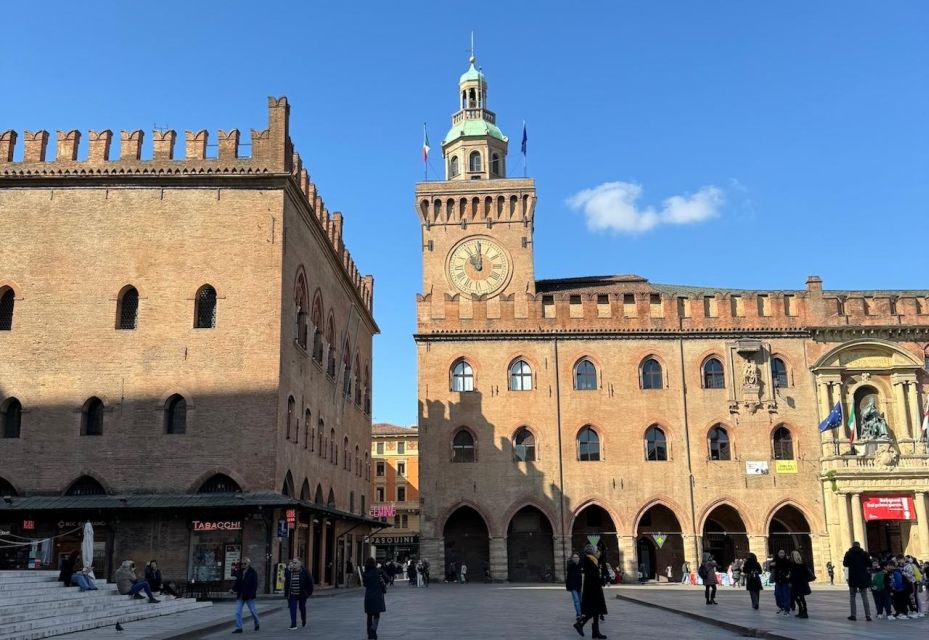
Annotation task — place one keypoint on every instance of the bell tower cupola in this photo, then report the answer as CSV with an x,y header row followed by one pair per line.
x,y
474,148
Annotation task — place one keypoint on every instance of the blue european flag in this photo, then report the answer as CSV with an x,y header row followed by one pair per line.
x,y
833,420
525,138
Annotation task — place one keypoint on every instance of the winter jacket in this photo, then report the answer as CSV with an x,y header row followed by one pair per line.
x,y
246,584
306,583
858,563
574,579
800,576
375,588
752,571
592,601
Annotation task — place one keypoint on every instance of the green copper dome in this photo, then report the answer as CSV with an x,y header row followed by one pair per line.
x,y
472,74
470,128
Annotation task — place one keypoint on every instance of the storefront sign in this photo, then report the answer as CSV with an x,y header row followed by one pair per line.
x,y
383,511
74,524
291,518
785,466
888,508
756,467
282,528
217,525
395,540
233,556
28,525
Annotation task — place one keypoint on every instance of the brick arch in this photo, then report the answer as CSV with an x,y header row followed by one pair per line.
x,y
471,359
668,503
6,283
176,391
520,504
90,473
488,522
206,475
450,441
815,528
654,355
592,501
16,488
729,501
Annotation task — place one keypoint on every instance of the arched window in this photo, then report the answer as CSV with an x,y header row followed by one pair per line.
x,y
367,391
453,169
12,418
718,442
585,375
357,461
330,501
588,445
290,415
330,338
524,445
6,488
367,467
127,309
346,454
92,418
463,446
779,373
317,329
333,448
85,486
462,376
7,300
783,444
347,374
307,436
357,382
656,445
474,162
520,376
651,374
713,374
300,299
205,308
495,164
351,502
219,483
320,445
176,415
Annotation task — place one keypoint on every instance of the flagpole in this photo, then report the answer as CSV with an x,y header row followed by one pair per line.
x,y
425,157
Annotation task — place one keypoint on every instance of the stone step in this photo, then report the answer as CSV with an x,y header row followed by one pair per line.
x,y
29,583
59,594
139,610
58,591
34,577
63,617
25,573
28,611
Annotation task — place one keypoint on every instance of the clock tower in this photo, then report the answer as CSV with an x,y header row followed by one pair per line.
x,y
476,224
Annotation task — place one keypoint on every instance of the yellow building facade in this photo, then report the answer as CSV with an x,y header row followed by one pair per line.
x,y
395,491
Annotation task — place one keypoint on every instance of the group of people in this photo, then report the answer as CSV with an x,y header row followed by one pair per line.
x,y
70,576
128,583
896,583
790,574
584,580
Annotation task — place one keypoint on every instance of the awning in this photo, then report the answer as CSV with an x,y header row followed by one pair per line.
x,y
149,501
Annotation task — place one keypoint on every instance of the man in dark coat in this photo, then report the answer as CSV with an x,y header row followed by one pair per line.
x,y
593,604
375,588
857,561
573,582
246,590
298,586
780,573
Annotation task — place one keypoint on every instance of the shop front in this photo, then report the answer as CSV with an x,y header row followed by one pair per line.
x,y
395,547
215,550
888,520
40,541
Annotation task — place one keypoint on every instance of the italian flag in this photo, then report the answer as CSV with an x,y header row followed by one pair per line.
x,y
425,144
852,426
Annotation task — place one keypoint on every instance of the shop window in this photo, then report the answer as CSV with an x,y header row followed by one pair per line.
x,y
588,445
205,308
176,415
127,309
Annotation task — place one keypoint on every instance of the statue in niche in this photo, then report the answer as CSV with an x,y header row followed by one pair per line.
x,y
750,374
873,424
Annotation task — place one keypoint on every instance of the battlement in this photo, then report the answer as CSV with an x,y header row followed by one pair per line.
x,y
483,201
631,303
272,154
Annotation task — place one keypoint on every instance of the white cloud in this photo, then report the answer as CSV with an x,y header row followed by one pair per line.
x,y
612,206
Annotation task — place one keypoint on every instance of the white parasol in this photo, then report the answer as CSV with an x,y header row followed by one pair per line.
x,y
87,545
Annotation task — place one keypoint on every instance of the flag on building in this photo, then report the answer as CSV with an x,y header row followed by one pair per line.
x,y
833,420
926,415
852,426
425,144
525,138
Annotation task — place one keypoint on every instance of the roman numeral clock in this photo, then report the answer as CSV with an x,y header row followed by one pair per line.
x,y
478,266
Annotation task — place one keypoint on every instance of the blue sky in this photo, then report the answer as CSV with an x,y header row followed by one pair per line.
x,y
793,134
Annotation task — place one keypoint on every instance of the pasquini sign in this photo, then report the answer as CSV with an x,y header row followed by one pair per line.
x,y
217,525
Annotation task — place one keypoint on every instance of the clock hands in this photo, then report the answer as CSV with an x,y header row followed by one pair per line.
x,y
477,259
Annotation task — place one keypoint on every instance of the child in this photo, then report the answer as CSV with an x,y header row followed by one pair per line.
x,y
901,598
880,590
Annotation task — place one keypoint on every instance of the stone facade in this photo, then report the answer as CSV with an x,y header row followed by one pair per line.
x,y
262,405
704,403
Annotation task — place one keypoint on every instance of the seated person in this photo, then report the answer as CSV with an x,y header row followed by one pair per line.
x,y
84,579
153,577
128,584
68,564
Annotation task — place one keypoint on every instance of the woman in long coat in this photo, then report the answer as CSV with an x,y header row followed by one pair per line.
x,y
375,588
593,604
800,576
751,569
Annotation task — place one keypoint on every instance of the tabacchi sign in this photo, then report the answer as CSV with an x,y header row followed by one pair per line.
x,y
217,525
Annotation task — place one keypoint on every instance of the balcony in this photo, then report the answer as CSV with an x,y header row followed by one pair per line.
x,y
886,456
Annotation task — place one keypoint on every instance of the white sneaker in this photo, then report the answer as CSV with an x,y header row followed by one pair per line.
x,y
880,616
912,616
891,617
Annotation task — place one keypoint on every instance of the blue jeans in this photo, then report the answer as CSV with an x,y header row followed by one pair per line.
x,y
576,596
685,579
782,596
292,603
140,585
238,612
83,582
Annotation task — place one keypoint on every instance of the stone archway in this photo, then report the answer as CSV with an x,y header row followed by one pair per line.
x,y
725,535
530,547
593,525
467,540
790,531
659,543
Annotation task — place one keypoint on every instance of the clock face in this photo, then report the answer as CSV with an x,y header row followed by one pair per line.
x,y
478,266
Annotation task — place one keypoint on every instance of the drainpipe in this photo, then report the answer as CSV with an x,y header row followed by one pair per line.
x,y
560,451
690,470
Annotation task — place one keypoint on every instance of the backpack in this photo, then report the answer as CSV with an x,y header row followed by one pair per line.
x,y
877,581
702,572
897,580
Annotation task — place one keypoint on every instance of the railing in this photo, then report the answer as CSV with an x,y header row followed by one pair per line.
x,y
874,454
474,114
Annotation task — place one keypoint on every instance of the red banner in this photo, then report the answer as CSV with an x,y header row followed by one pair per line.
x,y
888,508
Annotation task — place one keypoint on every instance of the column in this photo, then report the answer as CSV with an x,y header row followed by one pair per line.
x,y
499,569
759,546
912,397
858,520
310,531
562,546
922,525
323,551
627,553
903,427
844,524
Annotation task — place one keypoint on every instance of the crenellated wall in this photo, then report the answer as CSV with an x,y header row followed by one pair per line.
x,y
272,154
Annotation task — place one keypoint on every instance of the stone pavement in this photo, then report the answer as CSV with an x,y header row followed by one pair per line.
x,y
828,609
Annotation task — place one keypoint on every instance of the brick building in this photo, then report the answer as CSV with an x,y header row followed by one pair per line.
x,y
660,421
187,355
395,491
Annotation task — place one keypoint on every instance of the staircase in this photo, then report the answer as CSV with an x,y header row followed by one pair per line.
x,y
33,604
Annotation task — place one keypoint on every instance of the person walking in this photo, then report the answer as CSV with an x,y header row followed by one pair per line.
x,y
669,573
298,586
246,590
685,573
830,569
593,604
375,588
780,572
573,582
751,569
800,577
707,573
857,561
463,572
